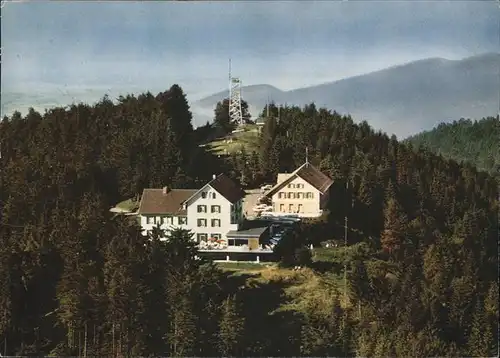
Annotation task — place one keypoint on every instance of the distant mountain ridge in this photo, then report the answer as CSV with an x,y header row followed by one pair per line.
x,y
403,99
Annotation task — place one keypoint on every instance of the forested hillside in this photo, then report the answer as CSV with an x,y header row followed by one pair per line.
x,y
403,99
476,142
75,280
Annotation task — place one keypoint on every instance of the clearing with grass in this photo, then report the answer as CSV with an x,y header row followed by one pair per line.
x,y
248,139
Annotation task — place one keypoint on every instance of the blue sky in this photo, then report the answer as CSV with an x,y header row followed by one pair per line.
x,y
98,47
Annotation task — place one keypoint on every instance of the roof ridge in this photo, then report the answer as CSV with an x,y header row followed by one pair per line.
x,y
302,170
154,202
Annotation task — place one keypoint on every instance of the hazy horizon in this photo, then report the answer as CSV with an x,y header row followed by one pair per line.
x,y
59,52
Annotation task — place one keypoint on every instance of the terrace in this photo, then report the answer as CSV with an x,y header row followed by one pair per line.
x,y
249,241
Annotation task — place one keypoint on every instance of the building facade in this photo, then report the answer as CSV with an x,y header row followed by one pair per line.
x,y
164,207
209,213
212,215
305,192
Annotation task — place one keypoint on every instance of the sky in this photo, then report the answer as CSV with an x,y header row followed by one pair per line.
x,y
85,49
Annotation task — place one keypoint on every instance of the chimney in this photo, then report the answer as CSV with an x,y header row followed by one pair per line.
x,y
165,190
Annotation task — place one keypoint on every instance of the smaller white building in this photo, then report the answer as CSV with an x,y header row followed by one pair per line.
x,y
164,207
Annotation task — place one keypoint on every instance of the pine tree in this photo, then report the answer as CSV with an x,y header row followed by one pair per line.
x,y
182,277
480,341
152,307
175,106
183,332
491,312
124,258
231,328
359,283
395,224
222,120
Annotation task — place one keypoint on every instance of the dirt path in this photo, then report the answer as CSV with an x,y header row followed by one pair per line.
x,y
250,201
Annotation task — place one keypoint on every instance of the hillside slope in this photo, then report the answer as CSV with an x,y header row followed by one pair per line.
x,y
403,100
477,142
420,263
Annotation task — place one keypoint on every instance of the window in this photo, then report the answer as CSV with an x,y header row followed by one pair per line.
x,y
215,222
215,209
309,195
290,208
300,208
237,242
165,220
202,208
204,195
214,196
300,186
201,237
149,220
282,207
182,220
289,195
300,195
202,222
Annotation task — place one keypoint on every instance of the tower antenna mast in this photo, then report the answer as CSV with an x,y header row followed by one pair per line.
x,y
235,113
229,77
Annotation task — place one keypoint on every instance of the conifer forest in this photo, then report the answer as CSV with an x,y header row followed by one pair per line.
x,y
421,266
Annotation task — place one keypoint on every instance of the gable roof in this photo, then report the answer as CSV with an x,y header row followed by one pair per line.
x,y
225,187
310,174
153,201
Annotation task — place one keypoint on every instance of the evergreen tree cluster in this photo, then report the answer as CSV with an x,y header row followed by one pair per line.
x,y
222,121
76,280
430,223
476,142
